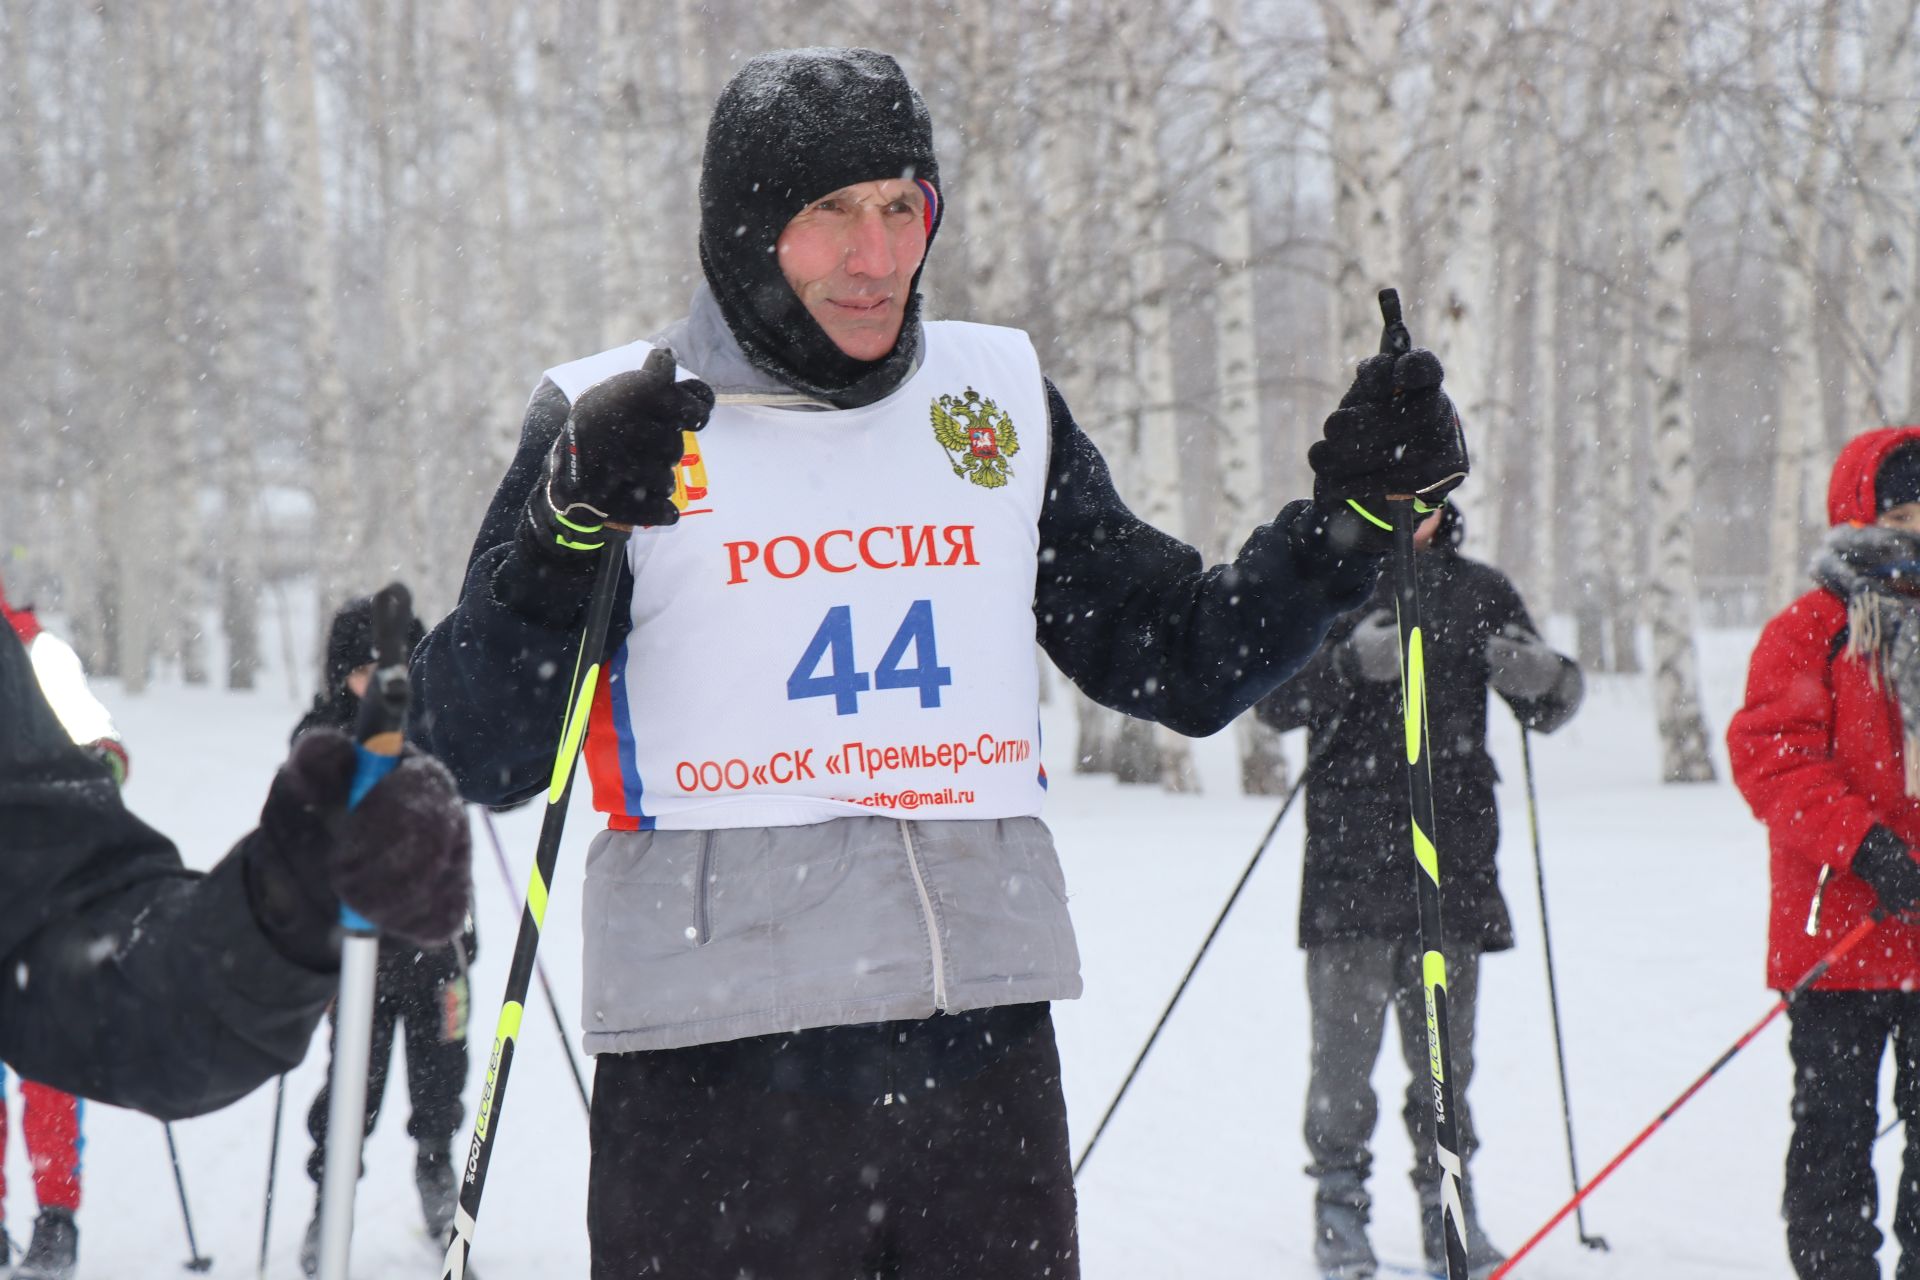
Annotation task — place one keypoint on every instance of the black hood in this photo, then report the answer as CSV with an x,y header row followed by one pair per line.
x,y
350,642
791,127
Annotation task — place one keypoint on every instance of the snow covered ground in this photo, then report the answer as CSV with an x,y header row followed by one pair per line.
x,y
1658,896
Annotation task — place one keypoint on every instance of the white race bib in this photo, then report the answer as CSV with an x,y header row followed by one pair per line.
x,y
842,620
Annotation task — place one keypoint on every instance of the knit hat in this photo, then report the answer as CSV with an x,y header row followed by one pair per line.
x,y
1898,479
789,128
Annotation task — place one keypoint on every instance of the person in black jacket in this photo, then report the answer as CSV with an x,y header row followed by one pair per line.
x,y
171,992
1359,916
826,923
423,989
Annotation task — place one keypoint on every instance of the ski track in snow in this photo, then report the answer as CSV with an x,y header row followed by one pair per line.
x,y
1659,900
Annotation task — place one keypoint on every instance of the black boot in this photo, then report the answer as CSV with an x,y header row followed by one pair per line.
x,y
1340,1246
55,1250
433,1175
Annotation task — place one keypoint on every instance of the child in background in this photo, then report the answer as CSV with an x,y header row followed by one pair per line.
x,y
424,988
1825,751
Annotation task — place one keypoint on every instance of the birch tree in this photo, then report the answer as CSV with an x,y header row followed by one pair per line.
x,y
1671,591
1244,491
1363,53
1465,328
1884,262
1794,207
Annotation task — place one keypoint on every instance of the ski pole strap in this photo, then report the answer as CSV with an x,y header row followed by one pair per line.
x,y
1852,939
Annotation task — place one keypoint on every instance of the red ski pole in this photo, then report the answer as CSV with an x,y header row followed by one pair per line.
x,y
1849,942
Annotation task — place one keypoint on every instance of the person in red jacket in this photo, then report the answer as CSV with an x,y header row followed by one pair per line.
x,y
1826,750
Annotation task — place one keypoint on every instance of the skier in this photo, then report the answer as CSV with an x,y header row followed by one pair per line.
x,y
1358,912
825,922
152,987
50,1120
63,680
1825,750
423,987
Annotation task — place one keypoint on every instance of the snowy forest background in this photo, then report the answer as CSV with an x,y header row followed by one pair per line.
x,y
280,274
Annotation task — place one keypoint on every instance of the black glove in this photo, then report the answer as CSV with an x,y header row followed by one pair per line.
x,y
1884,861
616,460
1395,432
402,858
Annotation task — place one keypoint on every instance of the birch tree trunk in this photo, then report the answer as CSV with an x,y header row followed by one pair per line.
x,y
1546,432
1798,427
1363,53
1245,497
1465,328
1884,263
1671,590
338,519
1156,442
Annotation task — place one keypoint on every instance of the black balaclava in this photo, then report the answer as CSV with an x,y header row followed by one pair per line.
x,y
789,128
1897,481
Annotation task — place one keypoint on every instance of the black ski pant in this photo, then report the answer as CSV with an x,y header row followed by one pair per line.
x,y
424,993
931,1149
1837,1039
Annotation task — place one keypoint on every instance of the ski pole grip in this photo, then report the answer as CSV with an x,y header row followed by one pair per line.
x,y
1394,338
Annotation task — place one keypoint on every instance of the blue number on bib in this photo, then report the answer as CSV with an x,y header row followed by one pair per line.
x,y
926,675
843,682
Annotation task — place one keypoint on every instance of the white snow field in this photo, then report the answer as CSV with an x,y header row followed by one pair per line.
x,y
1659,898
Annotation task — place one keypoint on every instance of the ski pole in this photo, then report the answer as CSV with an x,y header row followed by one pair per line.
x,y
540,968
198,1262
1553,987
273,1164
1259,851
1847,943
586,678
380,734
1409,510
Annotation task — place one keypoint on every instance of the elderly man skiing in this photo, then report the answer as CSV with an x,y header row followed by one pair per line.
x,y
825,922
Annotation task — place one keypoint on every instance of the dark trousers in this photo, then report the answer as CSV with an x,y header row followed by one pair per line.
x,y
1837,1039
1351,985
933,1149
425,992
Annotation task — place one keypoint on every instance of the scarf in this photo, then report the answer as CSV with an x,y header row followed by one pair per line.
x,y
1876,571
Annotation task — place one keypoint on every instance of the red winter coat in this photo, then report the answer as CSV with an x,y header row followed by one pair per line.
x,y
1816,752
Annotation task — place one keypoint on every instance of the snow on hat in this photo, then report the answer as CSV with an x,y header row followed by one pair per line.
x,y
790,127
1897,480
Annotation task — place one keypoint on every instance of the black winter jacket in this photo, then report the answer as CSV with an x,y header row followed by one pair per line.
x,y
1131,615
1358,879
130,979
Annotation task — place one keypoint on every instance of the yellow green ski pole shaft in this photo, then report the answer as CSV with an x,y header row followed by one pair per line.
x,y
1407,511
486,1121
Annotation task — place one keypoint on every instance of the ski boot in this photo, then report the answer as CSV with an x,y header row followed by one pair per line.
x,y
1483,1259
1340,1247
433,1175
55,1250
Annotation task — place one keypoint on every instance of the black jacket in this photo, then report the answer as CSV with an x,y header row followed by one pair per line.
x,y
1129,614
1358,879
129,978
